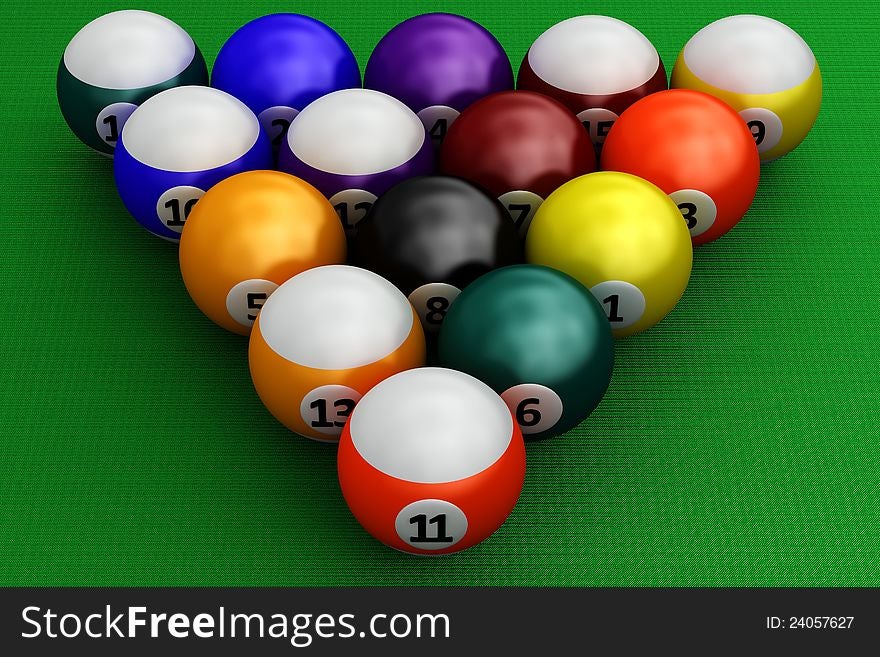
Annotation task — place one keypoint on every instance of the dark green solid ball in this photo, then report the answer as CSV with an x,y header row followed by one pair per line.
x,y
538,338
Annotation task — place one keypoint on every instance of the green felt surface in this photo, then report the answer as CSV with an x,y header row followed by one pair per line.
x,y
737,445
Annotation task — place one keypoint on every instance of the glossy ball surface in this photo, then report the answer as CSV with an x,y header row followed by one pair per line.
x,y
431,461
764,70
431,237
519,146
595,65
696,149
438,64
248,235
353,145
539,339
620,236
115,63
278,64
323,339
178,145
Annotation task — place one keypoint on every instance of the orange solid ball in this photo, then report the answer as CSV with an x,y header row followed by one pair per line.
x,y
695,148
250,233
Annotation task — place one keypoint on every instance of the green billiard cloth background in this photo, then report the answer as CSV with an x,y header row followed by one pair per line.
x,y
738,443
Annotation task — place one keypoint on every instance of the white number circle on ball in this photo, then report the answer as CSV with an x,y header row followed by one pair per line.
x,y
521,205
765,125
598,122
276,120
352,206
437,120
623,302
697,208
174,206
432,302
245,299
326,408
111,119
431,524
536,408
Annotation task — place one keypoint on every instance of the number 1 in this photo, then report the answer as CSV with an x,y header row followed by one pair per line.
x,y
284,124
114,129
614,302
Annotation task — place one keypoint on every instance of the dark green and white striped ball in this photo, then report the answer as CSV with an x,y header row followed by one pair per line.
x,y
114,64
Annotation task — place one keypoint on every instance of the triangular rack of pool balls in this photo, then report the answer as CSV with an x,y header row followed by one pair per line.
x,y
433,215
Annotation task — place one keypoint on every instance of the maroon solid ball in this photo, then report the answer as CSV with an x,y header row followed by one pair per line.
x,y
597,66
519,146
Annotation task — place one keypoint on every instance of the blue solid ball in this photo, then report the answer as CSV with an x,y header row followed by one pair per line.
x,y
278,64
179,144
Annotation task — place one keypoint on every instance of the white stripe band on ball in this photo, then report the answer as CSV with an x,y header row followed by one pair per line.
x,y
129,49
749,54
190,128
335,317
356,132
431,425
594,55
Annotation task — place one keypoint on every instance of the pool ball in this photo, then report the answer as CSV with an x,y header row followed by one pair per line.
x,y
519,146
438,64
597,66
539,339
353,145
323,339
278,64
433,235
620,236
764,70
696,149
247,235
431,461
114,64
176,146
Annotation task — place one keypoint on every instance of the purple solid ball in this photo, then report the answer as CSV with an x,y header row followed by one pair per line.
x,y
438,59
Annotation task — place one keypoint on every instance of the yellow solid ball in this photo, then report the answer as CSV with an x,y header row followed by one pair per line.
x,y
622,238
764,70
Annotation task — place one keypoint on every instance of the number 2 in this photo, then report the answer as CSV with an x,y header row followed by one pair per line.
x,y
345,216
